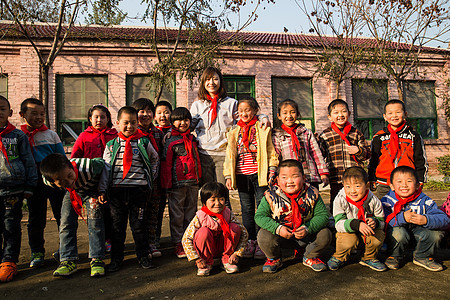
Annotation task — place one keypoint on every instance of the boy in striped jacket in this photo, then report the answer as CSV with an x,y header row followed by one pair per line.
x,y
83,178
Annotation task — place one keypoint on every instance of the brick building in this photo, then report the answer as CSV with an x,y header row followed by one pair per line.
x,y
109,65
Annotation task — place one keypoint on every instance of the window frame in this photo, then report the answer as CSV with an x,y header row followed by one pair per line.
x,y
235,79
129,89
3,75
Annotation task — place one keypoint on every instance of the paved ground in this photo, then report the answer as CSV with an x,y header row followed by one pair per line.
x,y
175,278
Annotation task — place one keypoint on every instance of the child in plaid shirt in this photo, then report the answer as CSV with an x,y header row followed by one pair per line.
x,y
343,146
294,141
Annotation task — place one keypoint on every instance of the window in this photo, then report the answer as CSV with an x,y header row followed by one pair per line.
x,y
75,95
4,85
239,86
421,106
297,89
138,86
369,97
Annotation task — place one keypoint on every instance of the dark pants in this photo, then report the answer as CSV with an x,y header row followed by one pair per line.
x,y
153,213
212,170
129,203
161,208
271,244
37,214
334,190
11,233
250,195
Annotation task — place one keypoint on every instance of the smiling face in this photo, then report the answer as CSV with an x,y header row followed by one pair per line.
x,y
99,119
145,118
215,204
181,125
355,188
65,178
404,184
288,115
339,115
162,115
290,180
394,115
34,116
212,85
5,112
127,124
246,112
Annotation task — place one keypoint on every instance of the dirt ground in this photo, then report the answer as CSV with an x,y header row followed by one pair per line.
x,y
175,278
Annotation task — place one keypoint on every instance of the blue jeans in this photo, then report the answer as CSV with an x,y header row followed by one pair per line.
x,y
69,225
10,230
398,237
249,193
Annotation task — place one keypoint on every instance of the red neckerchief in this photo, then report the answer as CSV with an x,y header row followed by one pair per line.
x,y
213,108
9,127
223,223
294,138
102,135
75,198
150,136
187,142
246,130
359,205
296,213
394,143
128,153
31,134
343,134
401,203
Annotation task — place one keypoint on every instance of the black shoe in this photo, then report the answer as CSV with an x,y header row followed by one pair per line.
x,y
114,266
146,263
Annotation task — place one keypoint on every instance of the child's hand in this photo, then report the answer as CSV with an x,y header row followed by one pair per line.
x,y
373,186
286,232
27,195
365,229
325,180
228,184
418,219
352,149
201,264
264,122
372,224
407,215
300,232
102,199
233,259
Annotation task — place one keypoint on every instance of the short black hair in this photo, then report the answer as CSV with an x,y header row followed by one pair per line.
x,y
164,103
290,163
336,102
4,99
213,189
53,164
355,172
143,103
395,101
127,110
24,104
103,109
404,170
180,113
291,103
250,101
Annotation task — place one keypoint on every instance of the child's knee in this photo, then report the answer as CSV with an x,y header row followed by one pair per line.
x,y
434,236
203,234
235,228
400,234
346,240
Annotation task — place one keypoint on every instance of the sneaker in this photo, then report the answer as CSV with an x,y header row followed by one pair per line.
x,y
154,251
146,262
7,271
204,271
108,246
334,263
65,268
37,260
428,263
97,268
259,254
114,265
249,249
272,265
230,269
374,264
392,263
56,255
179,251
314,263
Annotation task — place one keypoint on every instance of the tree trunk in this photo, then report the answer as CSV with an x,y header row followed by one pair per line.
x,y
44,93
336,92
399,90
158,93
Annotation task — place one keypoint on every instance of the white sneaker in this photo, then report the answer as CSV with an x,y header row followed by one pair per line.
x,y
205,271
230,269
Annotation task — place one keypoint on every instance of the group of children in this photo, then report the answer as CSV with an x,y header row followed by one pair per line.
x,y
128,175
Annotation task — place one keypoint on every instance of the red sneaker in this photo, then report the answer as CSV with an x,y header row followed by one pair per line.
x,y
7,271
179,251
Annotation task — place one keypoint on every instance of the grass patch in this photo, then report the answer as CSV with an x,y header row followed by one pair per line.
x,y
434,185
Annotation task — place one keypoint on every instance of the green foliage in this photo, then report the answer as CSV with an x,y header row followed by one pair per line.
x,y
444,165
106,13
436,186
30,10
